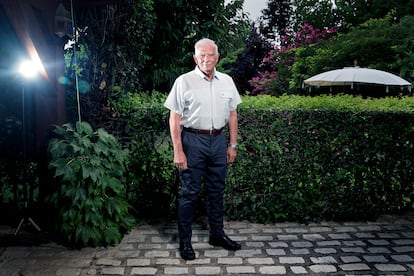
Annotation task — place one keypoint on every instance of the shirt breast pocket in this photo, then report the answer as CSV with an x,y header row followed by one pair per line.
x,y
226,94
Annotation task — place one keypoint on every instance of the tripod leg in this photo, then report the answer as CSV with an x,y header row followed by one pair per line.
x,y
18,227
34,224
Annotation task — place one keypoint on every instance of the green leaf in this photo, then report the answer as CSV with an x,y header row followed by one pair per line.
x,y
90,171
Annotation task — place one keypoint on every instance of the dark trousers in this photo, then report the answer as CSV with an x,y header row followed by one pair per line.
x,y
206,159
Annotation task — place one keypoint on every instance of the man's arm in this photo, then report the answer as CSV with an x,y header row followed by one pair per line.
x,y
180,160
233,129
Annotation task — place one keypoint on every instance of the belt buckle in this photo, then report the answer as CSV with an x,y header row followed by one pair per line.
x,y
211,132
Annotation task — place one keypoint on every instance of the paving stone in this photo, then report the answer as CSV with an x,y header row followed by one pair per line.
x,y
402,258
341,236
230,261
272,270
127,254
298,270
157,254
375,259
272,230
239,238
378,250
278,244
408,234
138,262
371,228
313,237
390,267
365,235
275,252
255,244
323,260
346,229
320,229
207,270
379,242
325,251
329,248
403,249
262,238
216,253
149,246
174,270
403,242
354,243
350,259
260,261
302,244
353,249
287,237
248,231
328,243
300,251
248,252
108,262
113,271
167,261
388,235
296,230
354,267
291,260
144,271
323,268
199,261
199,245
240,269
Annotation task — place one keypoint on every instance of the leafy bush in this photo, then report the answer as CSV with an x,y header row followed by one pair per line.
x,y
153,178
89,170
312,158
300,158
274,79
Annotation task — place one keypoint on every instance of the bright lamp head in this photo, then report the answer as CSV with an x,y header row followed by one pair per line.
x,y
28,69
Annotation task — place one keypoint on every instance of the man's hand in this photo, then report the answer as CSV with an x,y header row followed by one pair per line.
x,y
180,160
231,154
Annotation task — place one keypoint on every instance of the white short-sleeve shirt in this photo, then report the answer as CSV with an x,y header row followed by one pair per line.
x,y
203,103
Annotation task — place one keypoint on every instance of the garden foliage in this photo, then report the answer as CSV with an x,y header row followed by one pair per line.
x,y
378,43
300,158
274,79
307,159
153,180
90,196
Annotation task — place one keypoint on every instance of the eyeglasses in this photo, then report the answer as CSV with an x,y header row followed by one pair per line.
x,y
203,56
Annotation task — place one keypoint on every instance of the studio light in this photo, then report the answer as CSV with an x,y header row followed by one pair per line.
x,y
28,70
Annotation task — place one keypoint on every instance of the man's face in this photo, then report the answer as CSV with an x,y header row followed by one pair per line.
x,y
206,58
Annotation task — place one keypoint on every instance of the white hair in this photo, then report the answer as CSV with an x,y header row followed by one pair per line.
x,y
205,41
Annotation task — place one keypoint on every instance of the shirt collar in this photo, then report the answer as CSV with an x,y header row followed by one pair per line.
x,y
202,75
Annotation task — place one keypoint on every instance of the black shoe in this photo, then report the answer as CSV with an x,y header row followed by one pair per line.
x,y
187,251
224,242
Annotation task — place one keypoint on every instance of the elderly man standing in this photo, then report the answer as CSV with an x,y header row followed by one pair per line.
x,y
202,103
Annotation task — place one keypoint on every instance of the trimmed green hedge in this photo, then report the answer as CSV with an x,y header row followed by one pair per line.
x,y
300,158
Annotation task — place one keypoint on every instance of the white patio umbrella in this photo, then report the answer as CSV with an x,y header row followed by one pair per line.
x,y
351,75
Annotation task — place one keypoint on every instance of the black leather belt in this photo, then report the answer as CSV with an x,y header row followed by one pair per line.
x,y
203,131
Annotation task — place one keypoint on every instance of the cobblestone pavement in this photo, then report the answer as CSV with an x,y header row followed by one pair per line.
x,y
384,247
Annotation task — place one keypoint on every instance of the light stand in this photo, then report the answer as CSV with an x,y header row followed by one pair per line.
x,y
27,70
